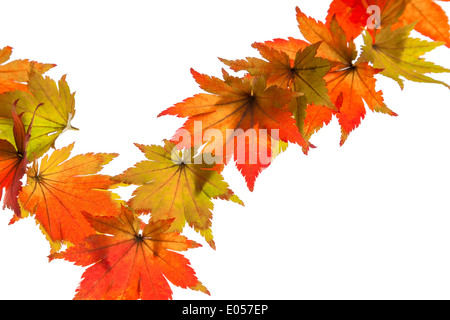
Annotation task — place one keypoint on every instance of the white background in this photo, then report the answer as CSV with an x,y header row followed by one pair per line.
x,y
369,220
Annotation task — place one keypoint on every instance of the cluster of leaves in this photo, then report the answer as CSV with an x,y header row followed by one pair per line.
x,y
295,87
74,205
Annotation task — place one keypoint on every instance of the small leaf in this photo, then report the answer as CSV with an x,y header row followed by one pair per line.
x,y
13,163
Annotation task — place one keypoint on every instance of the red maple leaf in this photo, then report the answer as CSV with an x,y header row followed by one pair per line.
x,y
131,260
13,162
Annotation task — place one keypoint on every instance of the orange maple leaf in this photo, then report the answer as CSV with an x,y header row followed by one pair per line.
x,y
290,46
59,189
131,260
300,72
431,19
353,15
350,83
316,116
15,73
241,114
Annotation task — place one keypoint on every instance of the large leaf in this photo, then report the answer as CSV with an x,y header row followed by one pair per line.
x,y
15,74
334,45
174,186
432,21
131,261
245,117
355,15
303,74
60,189
57,108
399,55
350,83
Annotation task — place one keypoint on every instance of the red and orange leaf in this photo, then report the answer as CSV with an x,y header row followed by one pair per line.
x,y
303,74
60,189
13,163
131,262
348,89
353,15
432,21
334,45
350,83
316,118
234,108
352,19
14,74
290,45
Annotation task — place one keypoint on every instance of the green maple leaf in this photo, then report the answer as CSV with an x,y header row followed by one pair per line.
x,y
399,55
172,185
57,108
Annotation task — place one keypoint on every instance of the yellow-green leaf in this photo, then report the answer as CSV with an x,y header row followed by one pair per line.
x,y
175,186
57,108
399,55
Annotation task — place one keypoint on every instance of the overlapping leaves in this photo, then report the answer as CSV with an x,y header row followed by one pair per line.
x,y
172,185
285,96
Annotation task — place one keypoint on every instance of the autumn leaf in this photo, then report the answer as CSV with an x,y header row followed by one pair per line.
x,y
291,46
59,189
350,83
14,74
334,45
353,15
432,21
350,88
238,112
177,186
303,74
399,55
315,119
13,163
52,119
130,262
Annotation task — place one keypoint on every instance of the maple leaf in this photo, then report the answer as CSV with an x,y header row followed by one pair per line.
x,y
305,73
60,189
353,15
52,119
15,73
350,83
431,19
399,55
316,118
175,186
131,261
334,45
242,112
291,46
13,163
